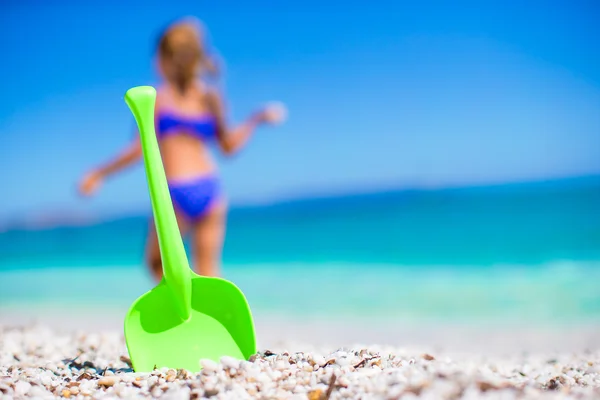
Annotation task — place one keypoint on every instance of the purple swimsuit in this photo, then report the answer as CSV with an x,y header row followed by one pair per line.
x,y
192,197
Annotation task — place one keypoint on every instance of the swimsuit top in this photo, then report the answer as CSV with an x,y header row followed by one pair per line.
x,y
203,127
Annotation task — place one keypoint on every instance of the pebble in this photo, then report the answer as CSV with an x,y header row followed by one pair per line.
x,y
209,365
38,391
107,381
35,362
22,388
230,362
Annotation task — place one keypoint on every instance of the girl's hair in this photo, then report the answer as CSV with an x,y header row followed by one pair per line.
x,y
181,48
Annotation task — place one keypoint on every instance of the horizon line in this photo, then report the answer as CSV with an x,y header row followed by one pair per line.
x,y
37,220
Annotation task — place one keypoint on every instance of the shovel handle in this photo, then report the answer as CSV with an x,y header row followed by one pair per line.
x,y
176,271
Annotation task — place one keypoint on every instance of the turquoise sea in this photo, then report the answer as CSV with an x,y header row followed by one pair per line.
x,y
514,252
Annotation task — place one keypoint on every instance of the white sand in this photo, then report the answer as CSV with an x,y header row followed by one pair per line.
x,y
36,362
281,332
492,362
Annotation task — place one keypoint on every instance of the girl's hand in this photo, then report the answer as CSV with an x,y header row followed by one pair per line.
x,y
90,183
274,113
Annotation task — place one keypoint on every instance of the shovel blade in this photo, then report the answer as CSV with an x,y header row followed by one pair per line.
x,y
220,325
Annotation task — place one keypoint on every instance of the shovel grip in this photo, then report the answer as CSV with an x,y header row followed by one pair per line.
x,y
176,271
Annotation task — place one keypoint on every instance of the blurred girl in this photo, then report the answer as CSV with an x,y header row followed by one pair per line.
x,y
189,116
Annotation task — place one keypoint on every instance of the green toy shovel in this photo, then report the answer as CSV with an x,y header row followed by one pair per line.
x,y
186,317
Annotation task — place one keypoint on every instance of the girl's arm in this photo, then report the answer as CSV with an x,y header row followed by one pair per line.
x,y
232,141
93,179
128,157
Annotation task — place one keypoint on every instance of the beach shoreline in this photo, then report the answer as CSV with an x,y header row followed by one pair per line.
x,y
367,357
275,331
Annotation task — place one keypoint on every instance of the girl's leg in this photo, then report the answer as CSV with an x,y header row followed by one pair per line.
x,y
208,237
153,250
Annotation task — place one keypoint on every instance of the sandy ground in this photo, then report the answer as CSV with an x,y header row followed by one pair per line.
x,y
43,363
275,332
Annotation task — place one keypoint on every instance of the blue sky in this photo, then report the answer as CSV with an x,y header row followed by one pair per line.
x,y
380,94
